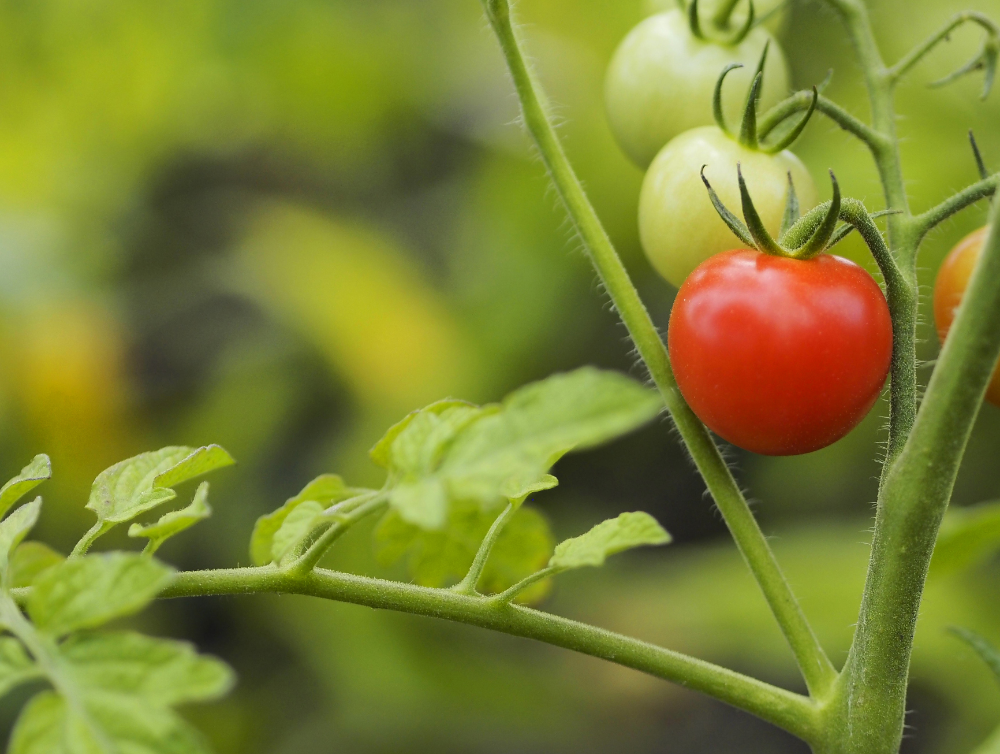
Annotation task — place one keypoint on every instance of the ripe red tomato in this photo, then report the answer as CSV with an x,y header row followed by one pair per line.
x,y
780,356
952,280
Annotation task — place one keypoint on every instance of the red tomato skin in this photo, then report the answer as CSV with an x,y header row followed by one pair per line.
x,y
949,288
780,356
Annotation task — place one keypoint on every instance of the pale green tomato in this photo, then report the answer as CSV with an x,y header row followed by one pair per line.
x,y
775,21
678,225
661,79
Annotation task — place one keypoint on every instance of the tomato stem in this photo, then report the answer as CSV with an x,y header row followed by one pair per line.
x,y
816,667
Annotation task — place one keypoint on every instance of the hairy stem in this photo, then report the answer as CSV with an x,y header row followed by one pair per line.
x,y
815,665
920,52
785,709
914,499
927,221
364,506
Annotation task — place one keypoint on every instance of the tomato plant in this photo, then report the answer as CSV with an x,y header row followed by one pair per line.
x,y
949,288
660,80
780,356
781,348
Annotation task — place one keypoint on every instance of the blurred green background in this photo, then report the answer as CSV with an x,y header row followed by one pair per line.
x,y
281,226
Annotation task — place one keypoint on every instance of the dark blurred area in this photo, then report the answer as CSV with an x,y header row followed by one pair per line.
x,y
282,226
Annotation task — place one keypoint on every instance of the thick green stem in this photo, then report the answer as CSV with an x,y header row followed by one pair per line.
x,y
872,695
785,709
816,667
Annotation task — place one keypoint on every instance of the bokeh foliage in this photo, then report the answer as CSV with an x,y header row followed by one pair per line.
x,y
282,226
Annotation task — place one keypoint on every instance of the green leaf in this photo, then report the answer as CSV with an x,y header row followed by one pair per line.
x,y
162,671
615,535
383,454
989,654
15,528
15,665
968,537
297,526
30,477
86,592
502,453
28,560
138,484
439,557
109,724
174,522
328,489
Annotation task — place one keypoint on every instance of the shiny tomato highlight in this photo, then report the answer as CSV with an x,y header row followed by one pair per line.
x,y
952,280
780,356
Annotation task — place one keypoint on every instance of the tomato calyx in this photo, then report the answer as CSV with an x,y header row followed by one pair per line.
x,y
720,23
748,136
800,238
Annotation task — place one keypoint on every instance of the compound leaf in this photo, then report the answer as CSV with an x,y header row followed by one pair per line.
x,y
28,560
136,485
968,537
162,671
439,557
615,535
15,528
174,522
328,489
108,724
15,665
298,525
86,592
451,452
30,477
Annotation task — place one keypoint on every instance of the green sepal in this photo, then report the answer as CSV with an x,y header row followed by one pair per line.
x,y
821,237
717,111
626,532
748,128
761,238
174,522
786,141
792,210
735,224
694,21
984,173
30,477
744,31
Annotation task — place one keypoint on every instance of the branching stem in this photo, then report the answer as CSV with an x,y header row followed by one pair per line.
x,y
471,581
785,709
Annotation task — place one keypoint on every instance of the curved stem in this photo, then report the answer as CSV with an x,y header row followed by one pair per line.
x,y
511,594
802,101
813,661
903,67
790,711
470,582
927,221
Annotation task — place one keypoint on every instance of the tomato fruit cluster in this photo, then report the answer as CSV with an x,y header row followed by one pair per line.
x,y
660,81
949,288
780,356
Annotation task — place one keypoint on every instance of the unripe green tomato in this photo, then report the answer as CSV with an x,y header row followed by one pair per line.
x,y
661,80
776,15
678,225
